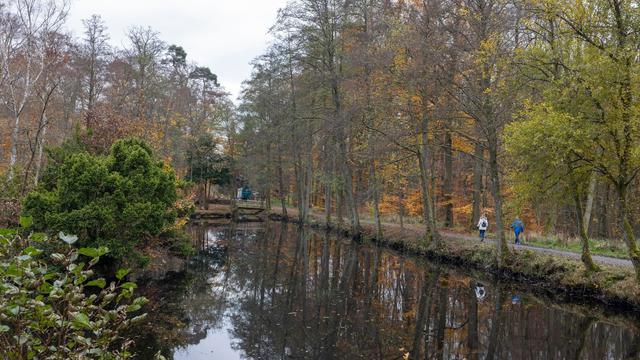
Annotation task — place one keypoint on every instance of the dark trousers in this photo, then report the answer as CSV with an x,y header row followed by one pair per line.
x,y
517,232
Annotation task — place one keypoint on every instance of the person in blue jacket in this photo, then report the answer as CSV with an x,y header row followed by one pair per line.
x,y
518,228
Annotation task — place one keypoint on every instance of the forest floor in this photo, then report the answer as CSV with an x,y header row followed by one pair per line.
x,y
555,272
414,232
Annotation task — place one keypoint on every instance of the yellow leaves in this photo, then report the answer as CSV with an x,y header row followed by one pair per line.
x,y
400,60
462,145
416,101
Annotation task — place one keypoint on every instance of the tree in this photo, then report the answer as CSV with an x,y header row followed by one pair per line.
x,y
550,169
94,52
24,29
206,165
116,201
595,50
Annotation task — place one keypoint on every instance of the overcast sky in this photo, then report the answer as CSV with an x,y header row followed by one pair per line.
x,y
224,35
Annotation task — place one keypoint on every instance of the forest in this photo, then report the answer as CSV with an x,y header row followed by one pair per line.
x,y
359,115
438,111
431,112
55,87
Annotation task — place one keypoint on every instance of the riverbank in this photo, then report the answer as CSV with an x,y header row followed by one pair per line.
x,y
545,272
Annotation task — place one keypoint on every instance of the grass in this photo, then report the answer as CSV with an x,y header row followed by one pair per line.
x,y
609,248
603,247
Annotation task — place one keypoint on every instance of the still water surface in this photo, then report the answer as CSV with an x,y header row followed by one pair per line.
x,y
274,291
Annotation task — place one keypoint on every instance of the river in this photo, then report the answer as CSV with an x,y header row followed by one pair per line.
x,y
274,291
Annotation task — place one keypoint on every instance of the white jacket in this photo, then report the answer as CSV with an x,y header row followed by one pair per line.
x,y
483,224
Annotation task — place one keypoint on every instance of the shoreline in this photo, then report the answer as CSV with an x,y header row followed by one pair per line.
x,y
555,276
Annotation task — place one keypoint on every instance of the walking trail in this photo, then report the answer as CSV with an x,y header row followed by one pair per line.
x,y
415,231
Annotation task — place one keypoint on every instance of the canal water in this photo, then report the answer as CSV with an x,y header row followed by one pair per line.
x,y
274,291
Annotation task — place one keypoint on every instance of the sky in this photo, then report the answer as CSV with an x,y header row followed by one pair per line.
x,y
224,35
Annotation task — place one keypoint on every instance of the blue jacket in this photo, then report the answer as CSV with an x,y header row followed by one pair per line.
x,y
518,226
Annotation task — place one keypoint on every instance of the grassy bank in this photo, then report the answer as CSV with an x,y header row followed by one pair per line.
x,y
597,247
559,276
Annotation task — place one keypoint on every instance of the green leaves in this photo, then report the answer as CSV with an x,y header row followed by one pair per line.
x,y
97,282
7,232
81,321
93,252
129,286
26,221
39,299
112,201
121,273
32,251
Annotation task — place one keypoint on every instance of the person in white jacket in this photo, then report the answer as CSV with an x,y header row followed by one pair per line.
x,y
483,224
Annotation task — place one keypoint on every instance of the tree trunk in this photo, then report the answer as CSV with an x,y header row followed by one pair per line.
x,y
401,207
447,186
14,147
283,193
501,243
328,185
350,197
586,220
376,196
427,199
582,230
627,229
206,194
477,184
40,152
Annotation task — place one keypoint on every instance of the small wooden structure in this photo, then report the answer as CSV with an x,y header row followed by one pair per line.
x,y
250,210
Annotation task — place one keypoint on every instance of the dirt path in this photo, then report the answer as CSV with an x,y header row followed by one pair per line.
x,y
415,231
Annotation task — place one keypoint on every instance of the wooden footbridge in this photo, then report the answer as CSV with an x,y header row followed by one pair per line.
x,y
242,210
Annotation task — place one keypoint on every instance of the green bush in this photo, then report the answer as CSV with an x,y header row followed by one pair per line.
x,y
114,201
53,307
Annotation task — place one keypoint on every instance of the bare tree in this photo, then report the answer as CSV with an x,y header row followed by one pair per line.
x,y
23,33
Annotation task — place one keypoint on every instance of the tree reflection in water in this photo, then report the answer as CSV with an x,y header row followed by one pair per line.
x,y
283,292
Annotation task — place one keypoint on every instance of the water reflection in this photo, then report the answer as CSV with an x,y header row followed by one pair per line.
x,y
280,292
